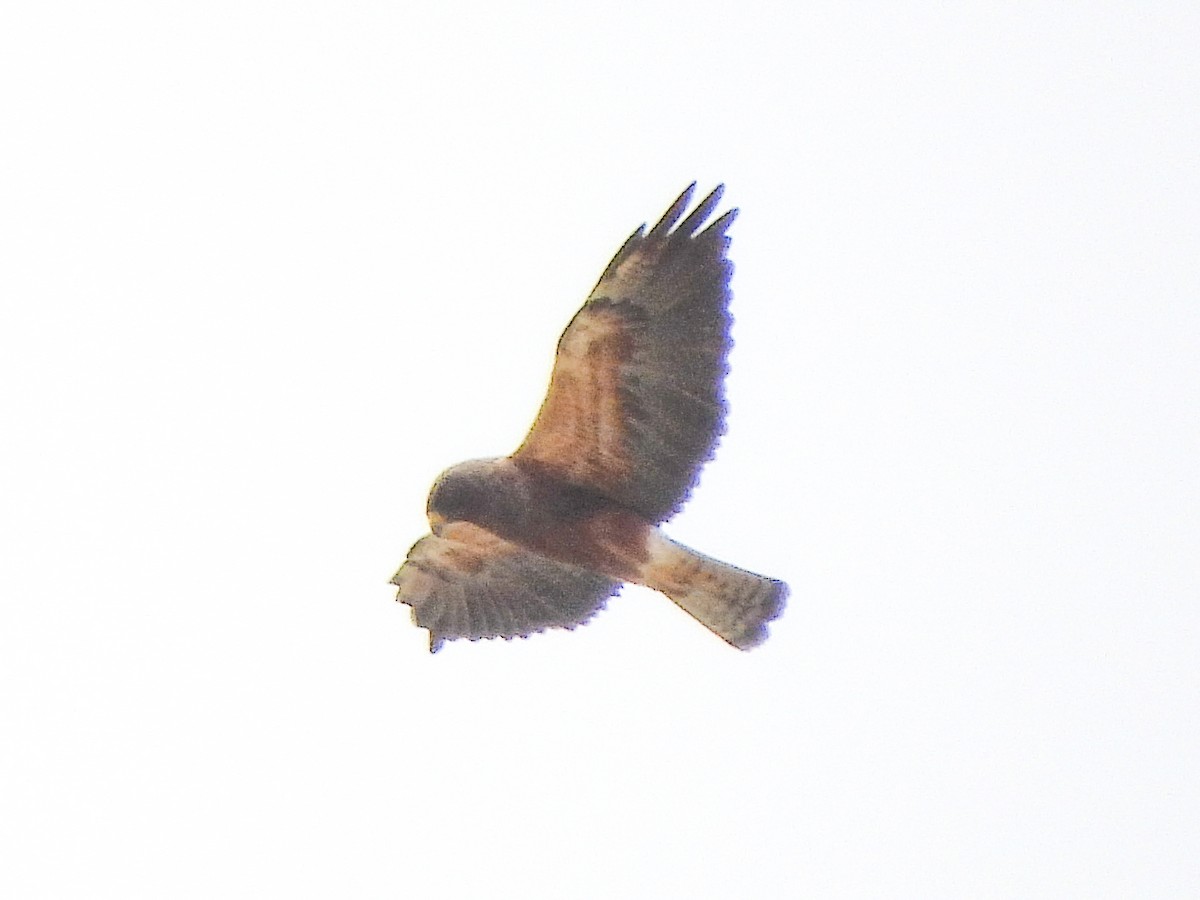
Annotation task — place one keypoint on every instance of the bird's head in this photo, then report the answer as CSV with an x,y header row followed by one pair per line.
x,y
472,491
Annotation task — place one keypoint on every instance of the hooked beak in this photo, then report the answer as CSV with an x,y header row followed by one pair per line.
x,y
436,521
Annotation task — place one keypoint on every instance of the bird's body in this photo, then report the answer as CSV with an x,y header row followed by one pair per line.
x,y
554,518
635,407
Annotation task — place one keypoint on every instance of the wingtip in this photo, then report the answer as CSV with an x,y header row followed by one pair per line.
x,y
689,226
701,212
674,211
722,223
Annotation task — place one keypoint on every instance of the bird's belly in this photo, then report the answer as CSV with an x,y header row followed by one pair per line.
x,y
613,542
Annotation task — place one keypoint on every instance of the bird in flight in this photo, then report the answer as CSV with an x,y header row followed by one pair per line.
x,y
543,537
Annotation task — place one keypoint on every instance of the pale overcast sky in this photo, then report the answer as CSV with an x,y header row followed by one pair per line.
x,y
267,268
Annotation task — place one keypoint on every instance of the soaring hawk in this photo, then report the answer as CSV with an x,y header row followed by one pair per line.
x,y
543,537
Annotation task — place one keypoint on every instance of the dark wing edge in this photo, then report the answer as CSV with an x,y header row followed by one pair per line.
x,y
638,421
662,230
471,584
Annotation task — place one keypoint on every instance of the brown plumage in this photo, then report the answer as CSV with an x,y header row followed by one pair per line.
x,y
635,407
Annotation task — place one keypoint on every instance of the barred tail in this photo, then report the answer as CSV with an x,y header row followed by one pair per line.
x,y
734,604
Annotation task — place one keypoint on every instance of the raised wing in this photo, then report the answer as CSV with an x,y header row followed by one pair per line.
x,y
636,400
467,583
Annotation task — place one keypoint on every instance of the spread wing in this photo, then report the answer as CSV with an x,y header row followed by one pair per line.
x,y
636,400
467,583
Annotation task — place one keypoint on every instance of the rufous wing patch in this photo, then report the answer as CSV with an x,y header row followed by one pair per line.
x,y
580,432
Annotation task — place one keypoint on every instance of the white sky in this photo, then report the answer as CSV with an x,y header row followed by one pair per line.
x,y
266,269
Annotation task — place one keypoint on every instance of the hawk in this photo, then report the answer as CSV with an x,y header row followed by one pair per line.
x,y
543,537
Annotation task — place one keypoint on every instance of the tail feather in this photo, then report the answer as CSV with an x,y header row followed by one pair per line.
x,y
734,604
